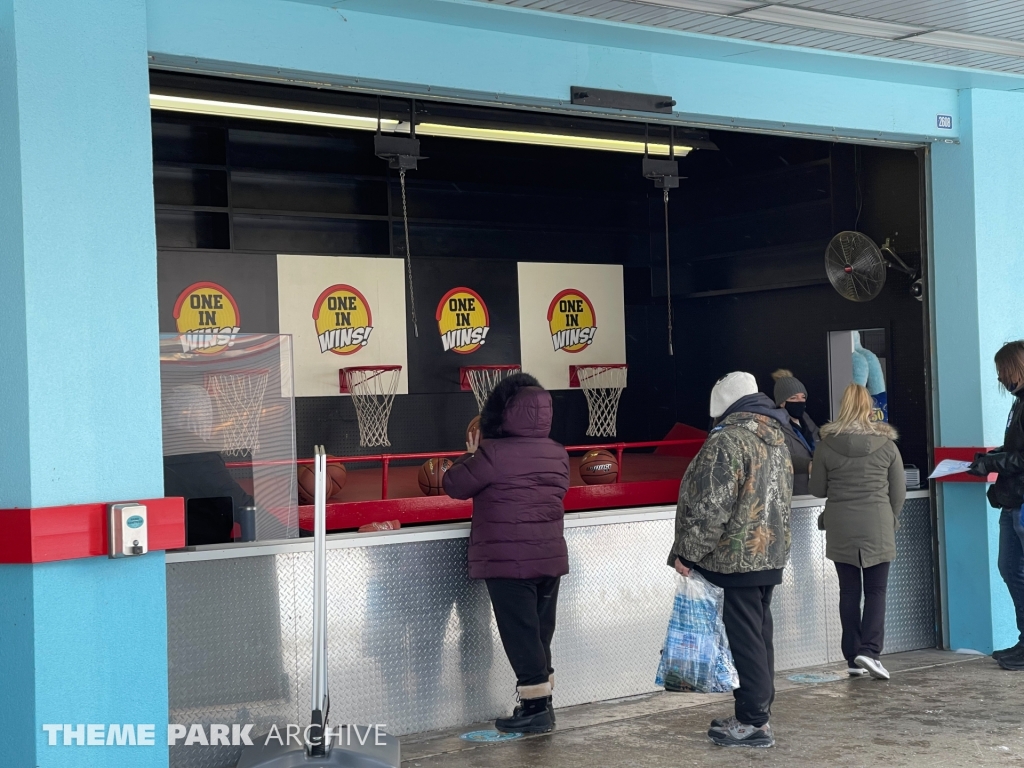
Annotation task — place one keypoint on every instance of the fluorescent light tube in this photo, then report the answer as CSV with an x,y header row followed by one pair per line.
x,y
831,22
335,120
545,139
260,112
979,43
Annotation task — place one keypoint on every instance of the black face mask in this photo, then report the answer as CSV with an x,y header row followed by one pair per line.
x,y
796,410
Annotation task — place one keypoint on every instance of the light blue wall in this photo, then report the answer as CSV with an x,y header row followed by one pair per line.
x,y
998,123
978,251
101,655
80,308
348,45
78,276
18,664
15,483
82,641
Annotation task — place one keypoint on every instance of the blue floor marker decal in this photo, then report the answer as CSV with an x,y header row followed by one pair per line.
x,y
815,677
489,736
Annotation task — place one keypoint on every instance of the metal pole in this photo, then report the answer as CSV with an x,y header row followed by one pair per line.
x,y
668,276
408,255
320,695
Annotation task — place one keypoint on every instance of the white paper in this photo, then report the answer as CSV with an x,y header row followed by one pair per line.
x,y
948,467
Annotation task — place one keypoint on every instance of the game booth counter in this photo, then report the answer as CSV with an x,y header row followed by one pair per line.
x,y
382,265
399,490
283,339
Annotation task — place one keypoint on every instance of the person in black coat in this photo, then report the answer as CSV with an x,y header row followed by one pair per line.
x,y
1007,493
802,433
517,477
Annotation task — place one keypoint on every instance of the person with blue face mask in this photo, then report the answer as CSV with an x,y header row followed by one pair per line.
x,y
802,435
1007,493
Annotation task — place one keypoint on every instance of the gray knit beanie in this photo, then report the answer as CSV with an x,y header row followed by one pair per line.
x,y
786,385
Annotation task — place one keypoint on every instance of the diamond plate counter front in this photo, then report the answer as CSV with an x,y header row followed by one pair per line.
x,y
413,643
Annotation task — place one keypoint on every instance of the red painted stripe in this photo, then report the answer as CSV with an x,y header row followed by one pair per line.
x,y
430,509
618,495
960,454
47,534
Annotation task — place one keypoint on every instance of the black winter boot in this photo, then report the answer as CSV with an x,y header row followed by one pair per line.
x,y
530,716
1013,662
1013,650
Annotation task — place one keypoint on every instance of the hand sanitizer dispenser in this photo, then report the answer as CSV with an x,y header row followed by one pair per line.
x,y
128,530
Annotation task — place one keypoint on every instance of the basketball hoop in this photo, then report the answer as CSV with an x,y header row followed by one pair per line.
x,y
372,388
482,379
238,397
602,385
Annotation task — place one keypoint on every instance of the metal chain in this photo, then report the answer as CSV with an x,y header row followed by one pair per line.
x,y
408,255
668,277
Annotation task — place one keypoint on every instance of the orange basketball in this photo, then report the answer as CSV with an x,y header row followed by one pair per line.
x,y
336,477
598,467
474,426
431,474
306,479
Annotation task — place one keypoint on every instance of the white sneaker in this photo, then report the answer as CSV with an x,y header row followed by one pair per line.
x,y
856,672
873,666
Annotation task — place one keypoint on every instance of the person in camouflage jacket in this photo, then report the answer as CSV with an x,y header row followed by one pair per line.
x,y
734,500
732,527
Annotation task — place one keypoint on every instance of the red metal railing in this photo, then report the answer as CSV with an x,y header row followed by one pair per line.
x,y
385,459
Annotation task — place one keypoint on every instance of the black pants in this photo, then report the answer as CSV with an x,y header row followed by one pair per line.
x,y
862,634
1011,560
748,623
524,610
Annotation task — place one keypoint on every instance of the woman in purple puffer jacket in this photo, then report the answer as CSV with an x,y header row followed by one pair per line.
x,y
517,477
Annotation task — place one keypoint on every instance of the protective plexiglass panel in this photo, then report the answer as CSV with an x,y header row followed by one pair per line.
x,y
413,642
228,413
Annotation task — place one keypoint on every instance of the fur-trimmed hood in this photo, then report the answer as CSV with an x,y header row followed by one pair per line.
x,y
858,439
518,407
517,480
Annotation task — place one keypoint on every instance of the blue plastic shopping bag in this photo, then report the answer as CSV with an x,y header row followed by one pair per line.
x,y
696,655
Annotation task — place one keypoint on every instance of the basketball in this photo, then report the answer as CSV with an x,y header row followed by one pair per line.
x,y
306,479
598,467
430,476
474,426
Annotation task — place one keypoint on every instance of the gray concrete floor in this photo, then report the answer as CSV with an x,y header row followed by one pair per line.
x,y
939,709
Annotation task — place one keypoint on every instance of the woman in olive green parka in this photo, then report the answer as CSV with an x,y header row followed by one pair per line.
x,y
858,467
